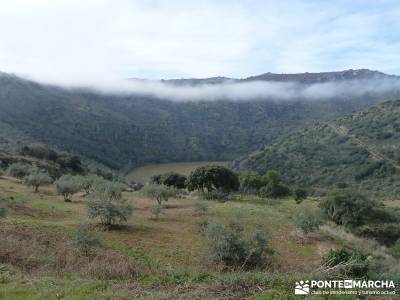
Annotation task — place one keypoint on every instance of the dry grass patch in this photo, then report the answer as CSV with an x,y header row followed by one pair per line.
x,y
42,251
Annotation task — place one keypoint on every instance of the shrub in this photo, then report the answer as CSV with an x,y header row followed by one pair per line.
x,y
395,250
108,212
135,186
228,244
156,210
159,192
251,181
3,212
67,185
300,195
382,214
353,264
106,204
348,208
37,178
213,178
272,190
385,233
171,179
85,239
308,221
274,187
18,170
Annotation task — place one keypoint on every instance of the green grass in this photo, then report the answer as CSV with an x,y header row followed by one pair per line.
x,y
170,247
143,174
50,288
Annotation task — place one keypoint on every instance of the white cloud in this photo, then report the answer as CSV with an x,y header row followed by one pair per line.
x,y
93,41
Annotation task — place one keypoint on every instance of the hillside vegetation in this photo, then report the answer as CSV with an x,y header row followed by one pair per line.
x,y
144,173
210,236
361,150
160,258
129,130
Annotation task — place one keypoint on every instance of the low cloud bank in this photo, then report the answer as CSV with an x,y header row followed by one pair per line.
x,y
238,90
257,90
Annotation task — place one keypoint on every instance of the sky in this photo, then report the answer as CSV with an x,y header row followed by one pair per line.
x,y
86,41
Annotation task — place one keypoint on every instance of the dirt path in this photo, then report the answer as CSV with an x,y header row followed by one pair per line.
x,y
376,155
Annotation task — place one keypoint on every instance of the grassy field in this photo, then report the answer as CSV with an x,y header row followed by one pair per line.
x,y
146,258
142,174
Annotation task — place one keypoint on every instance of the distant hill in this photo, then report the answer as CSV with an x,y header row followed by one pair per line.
x,y
44,158
312,78
361,150
305,78
127,130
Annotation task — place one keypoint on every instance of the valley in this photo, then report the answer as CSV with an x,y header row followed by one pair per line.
x,y
109,196
125,130
199,150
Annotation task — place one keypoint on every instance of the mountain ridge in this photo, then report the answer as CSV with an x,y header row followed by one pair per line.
x,y
128,130
359,150
305,77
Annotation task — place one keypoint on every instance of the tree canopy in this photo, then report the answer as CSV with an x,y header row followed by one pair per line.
x,y
213,177
173,179
37,178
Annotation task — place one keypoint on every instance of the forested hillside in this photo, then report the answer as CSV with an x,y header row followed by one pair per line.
x,y
124,131
361,150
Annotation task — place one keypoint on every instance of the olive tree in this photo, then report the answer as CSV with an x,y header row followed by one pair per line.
x,y
88,182
37,178
67,185
18,170
109,189
308,221
106,203
231,245
159,192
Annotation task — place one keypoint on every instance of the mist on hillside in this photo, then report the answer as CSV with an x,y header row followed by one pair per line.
x,y
256,90
243,91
